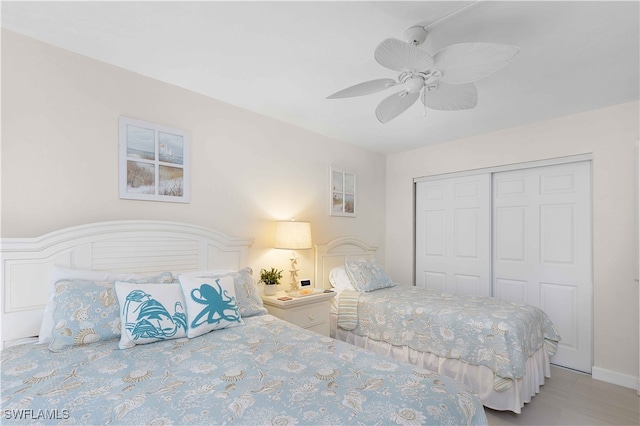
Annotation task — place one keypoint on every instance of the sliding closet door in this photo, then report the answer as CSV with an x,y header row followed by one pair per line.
x,y
453,234
542,250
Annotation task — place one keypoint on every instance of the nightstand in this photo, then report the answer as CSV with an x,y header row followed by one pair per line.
x,y
310,312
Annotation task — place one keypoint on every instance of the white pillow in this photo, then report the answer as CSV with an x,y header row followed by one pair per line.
x,y
59,273
211,304
340,280
150,313
247,294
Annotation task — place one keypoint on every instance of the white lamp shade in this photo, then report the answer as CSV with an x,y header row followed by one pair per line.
x,y
293,235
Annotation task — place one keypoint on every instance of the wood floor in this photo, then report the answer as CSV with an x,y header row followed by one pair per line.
x,y
571,398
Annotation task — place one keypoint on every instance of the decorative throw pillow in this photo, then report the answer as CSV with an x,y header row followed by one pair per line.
x,y
86,310
61,273
367,276
340,280
211,304
150,313
247,294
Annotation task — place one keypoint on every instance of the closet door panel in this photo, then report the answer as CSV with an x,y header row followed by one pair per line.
x,y
560,302
542,234
434,281
510,238
453,231
512,290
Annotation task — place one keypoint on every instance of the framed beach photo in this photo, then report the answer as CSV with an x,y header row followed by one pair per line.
x,y
343,193
154,162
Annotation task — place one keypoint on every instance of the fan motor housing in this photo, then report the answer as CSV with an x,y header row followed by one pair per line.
x,y
415,35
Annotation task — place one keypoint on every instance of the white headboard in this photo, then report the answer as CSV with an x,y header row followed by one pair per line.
x,y
334,253
140,246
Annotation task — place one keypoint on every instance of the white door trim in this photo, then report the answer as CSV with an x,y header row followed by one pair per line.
x,y
637,280
508,167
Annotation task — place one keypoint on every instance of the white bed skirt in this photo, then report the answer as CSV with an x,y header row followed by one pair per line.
x,y
478,378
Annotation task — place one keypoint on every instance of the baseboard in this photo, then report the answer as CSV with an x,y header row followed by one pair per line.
x,y
619,379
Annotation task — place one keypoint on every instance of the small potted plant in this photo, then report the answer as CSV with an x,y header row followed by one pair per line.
x,y
270,279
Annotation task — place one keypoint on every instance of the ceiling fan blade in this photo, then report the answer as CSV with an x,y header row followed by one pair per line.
x,y
398,56
450,97
469,62
394,105
366,88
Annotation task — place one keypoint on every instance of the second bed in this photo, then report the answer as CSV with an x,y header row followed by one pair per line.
x,y
500,349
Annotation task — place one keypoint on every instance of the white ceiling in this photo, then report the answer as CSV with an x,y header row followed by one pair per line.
x,y
281,59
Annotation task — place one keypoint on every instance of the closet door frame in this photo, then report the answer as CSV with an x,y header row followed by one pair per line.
x,y
507,167
637,280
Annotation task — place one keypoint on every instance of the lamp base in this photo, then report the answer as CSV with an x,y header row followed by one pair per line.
x,y
294,272
293,286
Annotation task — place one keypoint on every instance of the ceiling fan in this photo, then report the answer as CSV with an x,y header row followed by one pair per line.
x,y
444,81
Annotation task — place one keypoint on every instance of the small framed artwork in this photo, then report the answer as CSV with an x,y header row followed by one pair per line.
x,y
154,162
343,193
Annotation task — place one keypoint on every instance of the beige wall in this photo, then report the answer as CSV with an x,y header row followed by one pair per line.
x,y
610,135
60,157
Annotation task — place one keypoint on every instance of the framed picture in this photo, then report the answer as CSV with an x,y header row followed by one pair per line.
x,y
343,193
154,162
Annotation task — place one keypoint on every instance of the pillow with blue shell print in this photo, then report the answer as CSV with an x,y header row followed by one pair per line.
x,y
58,299
367,276
85,310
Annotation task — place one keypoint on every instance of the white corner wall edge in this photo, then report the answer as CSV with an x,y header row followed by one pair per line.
x,y
615,378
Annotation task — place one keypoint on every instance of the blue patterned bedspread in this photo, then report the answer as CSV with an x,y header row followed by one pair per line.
x,y
478,330
266,372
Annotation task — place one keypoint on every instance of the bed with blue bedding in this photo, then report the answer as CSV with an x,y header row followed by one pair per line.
x,y
264,372
122,340
499,348
498,334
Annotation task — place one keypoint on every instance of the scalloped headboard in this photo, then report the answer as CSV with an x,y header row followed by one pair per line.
x,y
140,246
334,253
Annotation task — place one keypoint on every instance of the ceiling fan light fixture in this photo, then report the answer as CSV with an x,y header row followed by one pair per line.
x,y
414,84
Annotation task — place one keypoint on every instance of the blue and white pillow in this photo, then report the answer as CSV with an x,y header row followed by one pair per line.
x,y
367,276
87,311
59,273
150,313
247,294
211,304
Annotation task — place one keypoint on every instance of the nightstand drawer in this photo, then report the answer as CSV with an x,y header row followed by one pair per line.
x,y
310,312
309,316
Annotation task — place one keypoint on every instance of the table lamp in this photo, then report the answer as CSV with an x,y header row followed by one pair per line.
x,y
292,235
